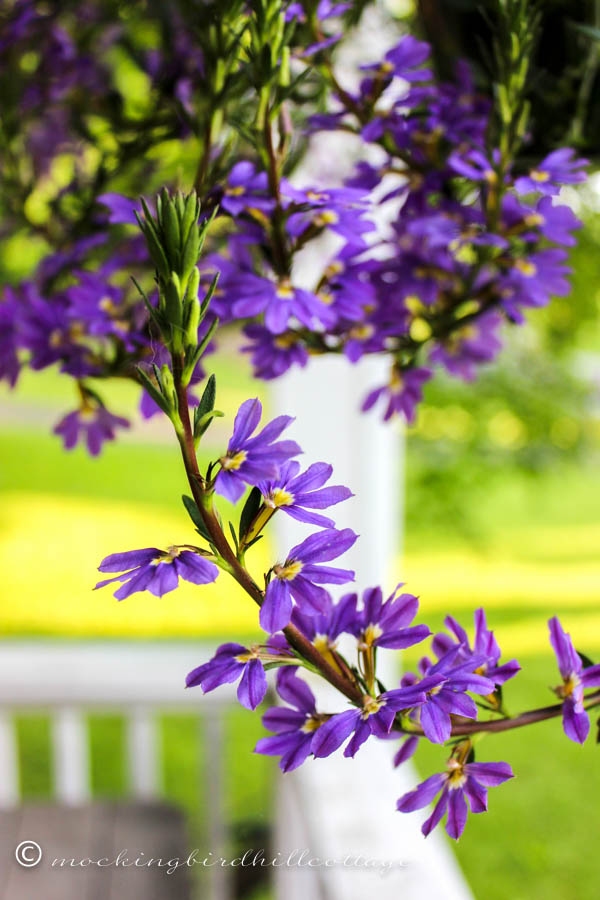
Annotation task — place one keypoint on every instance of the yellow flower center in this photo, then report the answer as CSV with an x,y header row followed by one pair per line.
x,y
396,381
285,291
334,268
490,176
285,341
534,219
326,297
278,498
311,724
235,191
289,571
569,686
456,774
526,267
362,332
321,643
326,217
232,463
107,305
371,706
539,175
168,557
252,653
371,633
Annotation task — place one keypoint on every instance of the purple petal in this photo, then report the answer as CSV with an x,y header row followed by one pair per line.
x,y
361,733
282,718
407,750
576,721
276,610
246,420
476,795
253,685
294,690
334,732
422,795
324,545
490,774
435,722
130,559
457,813
438,811
404,637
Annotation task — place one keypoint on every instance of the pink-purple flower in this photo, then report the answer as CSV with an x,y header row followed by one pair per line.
x,y
94,424
298,493
576,677
460,782
300,576
157,571
250,460
234,661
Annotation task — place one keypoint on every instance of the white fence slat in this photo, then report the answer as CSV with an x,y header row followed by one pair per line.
x,y
219,877
71,756
104,674
143,753
9,765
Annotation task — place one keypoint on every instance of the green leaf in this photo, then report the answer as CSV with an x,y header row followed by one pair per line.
x,y
250,511
202,424
587,662
153,391
194,514
234,536
207,400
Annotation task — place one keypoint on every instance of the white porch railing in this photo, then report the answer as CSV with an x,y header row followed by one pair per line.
x,y
138,680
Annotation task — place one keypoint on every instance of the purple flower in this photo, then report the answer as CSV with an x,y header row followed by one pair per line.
x,y
532,280
461,782
94,424
249,460
233,661
403,393
245,189
337,209
470,346
9,361
273,354
375,718
323,628
387,624
279,303
301,573
576,678
445,684
558,168
121,209
157,571
484,644
406,56
554,221
296,494
294,729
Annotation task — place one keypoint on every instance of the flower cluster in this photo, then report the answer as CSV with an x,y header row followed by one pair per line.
x,y
470,243
440,702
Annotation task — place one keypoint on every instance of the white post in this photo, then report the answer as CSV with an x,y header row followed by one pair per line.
x,y
71,756
9,766
340,808
143,753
